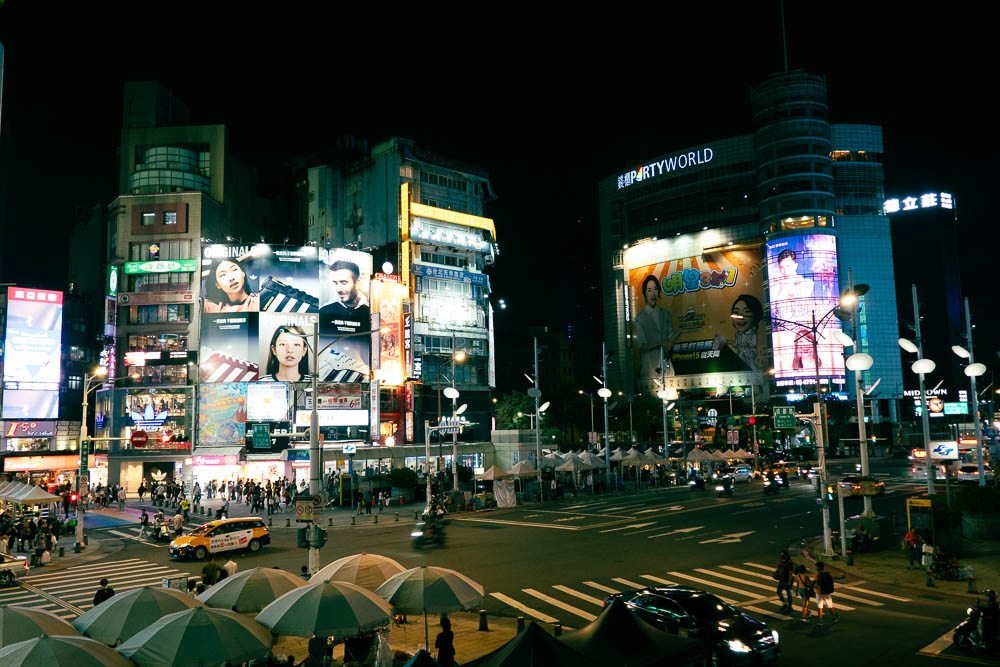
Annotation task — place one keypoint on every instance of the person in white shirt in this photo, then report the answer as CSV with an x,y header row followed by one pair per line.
x,y
230,566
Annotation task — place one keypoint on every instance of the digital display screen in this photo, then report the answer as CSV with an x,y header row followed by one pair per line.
x,y
267,401
32,354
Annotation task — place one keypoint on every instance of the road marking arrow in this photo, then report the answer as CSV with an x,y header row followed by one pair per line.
x,y
679,530
634,525
729,539
572,518
660,509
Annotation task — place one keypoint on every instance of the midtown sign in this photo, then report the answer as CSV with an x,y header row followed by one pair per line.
x,y
665,166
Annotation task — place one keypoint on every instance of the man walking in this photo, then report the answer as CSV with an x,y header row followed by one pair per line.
x,y
210,573
230,566
912,541
121,499
143,523
823,585
783,575
186,509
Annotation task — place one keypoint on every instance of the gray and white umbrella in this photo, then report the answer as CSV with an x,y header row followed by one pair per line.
x,y
366,570
124,614
328,609
251,590
20,623
428,589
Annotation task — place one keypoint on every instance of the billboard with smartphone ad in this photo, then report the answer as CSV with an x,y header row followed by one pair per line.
x,y
705,312
803,282
32,354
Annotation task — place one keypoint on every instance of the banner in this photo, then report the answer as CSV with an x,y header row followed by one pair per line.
x,y
222,414
387,301
32,354
705,312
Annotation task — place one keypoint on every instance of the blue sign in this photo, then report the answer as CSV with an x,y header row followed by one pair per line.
x,y
946,449
458,275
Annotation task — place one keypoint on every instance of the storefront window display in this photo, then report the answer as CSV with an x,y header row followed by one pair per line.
x,y
165,342
28,445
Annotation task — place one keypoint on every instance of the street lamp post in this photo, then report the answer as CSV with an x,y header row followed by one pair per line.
x,y
605,393
591,397
99,372
973,370
921,367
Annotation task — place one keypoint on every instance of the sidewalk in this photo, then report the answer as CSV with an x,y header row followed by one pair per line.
x,y
469,642
890,566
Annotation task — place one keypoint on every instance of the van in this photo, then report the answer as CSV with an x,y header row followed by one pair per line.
x,y
222,535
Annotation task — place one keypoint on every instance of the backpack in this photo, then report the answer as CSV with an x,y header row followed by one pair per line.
x,y
825,583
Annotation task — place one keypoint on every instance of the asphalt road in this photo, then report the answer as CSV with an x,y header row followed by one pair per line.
x,y
556,562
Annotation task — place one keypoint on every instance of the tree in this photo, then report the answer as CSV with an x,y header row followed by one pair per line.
x,y
507,408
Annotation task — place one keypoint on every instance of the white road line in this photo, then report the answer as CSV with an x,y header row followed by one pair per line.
x,y
96,573
658,580
939,644
644,530
601,587
521,523
754,584
839,592
586,615
746,572
626,582
876,593
758,610
769,568
118,589
634,525
714,584
137,539
577,594
612,509
78,568
653,509
117,580
534,613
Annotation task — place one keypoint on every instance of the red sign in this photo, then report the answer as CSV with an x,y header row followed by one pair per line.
x,y
139,439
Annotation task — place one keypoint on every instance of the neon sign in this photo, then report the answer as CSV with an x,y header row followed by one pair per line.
x,y
665,166
149,419
928,200
692,280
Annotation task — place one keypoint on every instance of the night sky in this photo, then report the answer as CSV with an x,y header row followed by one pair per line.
x,y
548,100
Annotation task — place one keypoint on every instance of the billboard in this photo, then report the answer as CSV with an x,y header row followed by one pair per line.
x,y
261,304
687,308
32,354
802,281
222,414
267,401
387,301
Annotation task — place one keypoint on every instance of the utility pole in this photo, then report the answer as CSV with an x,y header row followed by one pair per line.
x,y
454,407
538,426
605,393
663,388
924,417
315,455
821,444
859,396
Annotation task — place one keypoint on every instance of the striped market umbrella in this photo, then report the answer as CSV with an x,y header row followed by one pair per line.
x,y
124,614
61,651
328,609
366,570
251,590
20,623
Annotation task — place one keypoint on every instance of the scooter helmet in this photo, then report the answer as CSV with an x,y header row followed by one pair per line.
x,y
990,594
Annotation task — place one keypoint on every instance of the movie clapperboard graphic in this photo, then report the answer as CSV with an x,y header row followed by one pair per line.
x,y
224,368
277,297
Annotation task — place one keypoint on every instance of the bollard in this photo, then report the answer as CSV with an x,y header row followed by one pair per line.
x,y
86,540
397,517
288,522
376,518
483,626
929,579
353,516
77,548
850,558
557,629
329,521
416,514
972,585
62,551
520,624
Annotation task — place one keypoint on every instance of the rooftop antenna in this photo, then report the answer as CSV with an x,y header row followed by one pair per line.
x,y
784,39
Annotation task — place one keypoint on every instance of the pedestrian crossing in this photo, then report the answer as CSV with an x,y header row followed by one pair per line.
x,y
133,533
70,592
746,585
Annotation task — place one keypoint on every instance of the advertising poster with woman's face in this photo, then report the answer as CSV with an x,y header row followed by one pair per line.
x,y
704,312
260,278
803,282
229,348
285,346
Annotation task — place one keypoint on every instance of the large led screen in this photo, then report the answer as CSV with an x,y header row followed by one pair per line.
x,y
387,301
32,354
222,414
261,304
802,283
267,401
686,307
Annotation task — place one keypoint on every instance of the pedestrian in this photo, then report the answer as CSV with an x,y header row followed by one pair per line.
x,y
143,523
210,573
368,501
103,593
318,651
178,524
142,490
230,566
803,586
186,509
783,575
121,499
445,644
196,493
192,584
912,544
823,586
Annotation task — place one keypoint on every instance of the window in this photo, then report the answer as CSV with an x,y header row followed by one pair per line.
x,y
148,219
175,312
74,382
170,217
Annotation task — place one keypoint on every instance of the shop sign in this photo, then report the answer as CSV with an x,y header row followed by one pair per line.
x,y
153,298
57,462
216,460
29,429
162,266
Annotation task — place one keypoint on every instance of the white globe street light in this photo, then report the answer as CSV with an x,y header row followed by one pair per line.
x,y
975,370
604,393
923,366
843,338
859,362
960,351
908,346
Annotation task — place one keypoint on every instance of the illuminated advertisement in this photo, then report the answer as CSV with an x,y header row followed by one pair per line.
x,y
222,414
262,304
32,354
802,278
267,401
338,396
387,301
705,313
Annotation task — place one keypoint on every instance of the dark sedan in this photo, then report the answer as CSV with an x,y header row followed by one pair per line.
x,y
734,637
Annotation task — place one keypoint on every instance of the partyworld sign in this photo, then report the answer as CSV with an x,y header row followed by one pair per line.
x,y
665,166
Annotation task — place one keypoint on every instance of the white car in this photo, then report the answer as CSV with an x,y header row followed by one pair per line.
x,y
11,567
969,472
738,473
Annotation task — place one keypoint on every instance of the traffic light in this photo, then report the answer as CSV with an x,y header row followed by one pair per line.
x,y
303,537
752,420
320,536
73,497
830,492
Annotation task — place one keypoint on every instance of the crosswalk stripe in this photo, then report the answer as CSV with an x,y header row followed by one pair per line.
x,y
839,592
78,568
746,572
559,603
87,598
658,580
534,613
577,594
878,594
117,580
769,568
758,610
706,582
601,587
736,579
96,575
626,582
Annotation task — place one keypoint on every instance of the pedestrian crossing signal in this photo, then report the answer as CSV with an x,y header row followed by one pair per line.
x,y
73,497
303,537
829,492
319,537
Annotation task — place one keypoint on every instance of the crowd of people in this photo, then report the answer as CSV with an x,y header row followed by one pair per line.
x,y
272,496
28,535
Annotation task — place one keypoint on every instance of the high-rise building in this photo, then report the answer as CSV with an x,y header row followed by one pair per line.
x,y
420,214
722,253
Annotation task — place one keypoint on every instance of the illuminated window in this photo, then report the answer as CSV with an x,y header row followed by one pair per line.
x,y
800,222
170,218
148,219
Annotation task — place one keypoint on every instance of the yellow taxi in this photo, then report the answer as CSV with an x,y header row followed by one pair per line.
x,y
222,535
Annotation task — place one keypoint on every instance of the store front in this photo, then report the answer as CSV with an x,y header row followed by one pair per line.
x,y
222,464
262,468
49,471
